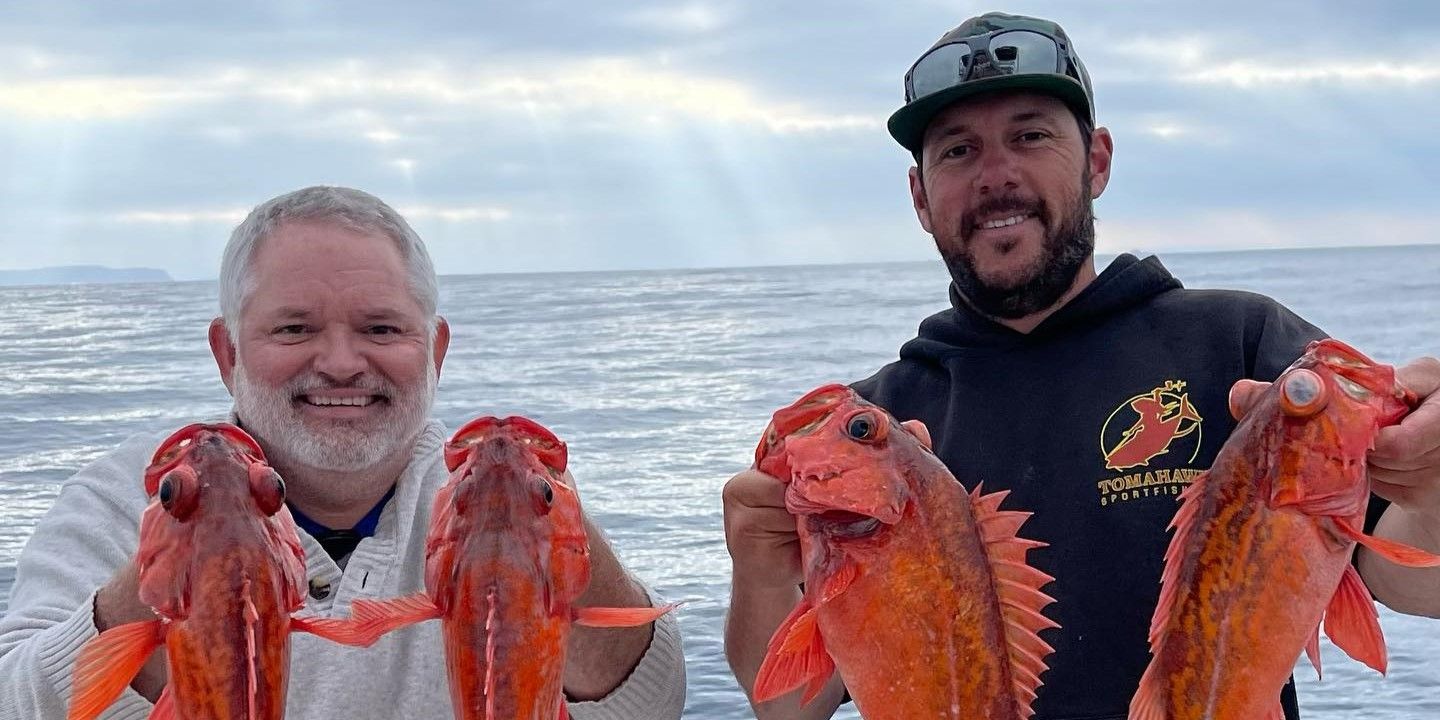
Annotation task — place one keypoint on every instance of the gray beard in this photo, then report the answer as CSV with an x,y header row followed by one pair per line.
x,y
1065,250
270,415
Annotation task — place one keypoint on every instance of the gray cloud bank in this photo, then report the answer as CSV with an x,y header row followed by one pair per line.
x,y
572,136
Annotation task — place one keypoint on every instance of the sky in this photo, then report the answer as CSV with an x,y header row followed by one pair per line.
x,y
561,136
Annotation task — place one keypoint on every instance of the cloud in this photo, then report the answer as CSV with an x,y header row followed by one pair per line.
x,y
644,133
368,90
230,216
1250,73
688,18
233,216
1199,59
95,98
455,214
1244,228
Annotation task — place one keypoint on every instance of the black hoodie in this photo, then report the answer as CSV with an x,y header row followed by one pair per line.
x,y
1043,414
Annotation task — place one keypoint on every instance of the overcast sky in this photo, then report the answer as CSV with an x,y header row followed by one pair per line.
x,y
532,136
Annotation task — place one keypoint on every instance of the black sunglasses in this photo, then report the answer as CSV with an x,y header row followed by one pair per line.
x,y
1002,52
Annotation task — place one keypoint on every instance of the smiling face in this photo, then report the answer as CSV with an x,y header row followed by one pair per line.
x,y
1005,187
334,367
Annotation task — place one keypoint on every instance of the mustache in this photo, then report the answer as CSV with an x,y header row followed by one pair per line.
x,y
1004,205
309,383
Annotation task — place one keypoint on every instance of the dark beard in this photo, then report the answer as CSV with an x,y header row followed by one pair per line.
x,y
1065,250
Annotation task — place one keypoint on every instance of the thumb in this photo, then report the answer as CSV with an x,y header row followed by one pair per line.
x,y
918,429
1243,396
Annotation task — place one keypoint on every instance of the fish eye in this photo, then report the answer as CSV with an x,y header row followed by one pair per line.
x,y
1303,393
177,492
863,426
544,494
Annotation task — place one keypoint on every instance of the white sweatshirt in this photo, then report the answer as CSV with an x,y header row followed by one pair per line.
x,y
93,530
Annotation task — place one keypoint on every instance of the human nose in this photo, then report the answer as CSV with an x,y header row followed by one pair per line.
x,y
998,172
339,359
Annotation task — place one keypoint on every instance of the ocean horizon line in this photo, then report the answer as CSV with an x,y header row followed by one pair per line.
x,y
698,269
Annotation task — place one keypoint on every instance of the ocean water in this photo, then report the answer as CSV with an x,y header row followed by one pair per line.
x,y
661,382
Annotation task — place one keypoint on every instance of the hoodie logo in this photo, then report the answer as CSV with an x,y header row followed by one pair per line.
x,y
1145,426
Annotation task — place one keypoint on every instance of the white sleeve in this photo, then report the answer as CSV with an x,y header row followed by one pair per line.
x,y
655,690
88,534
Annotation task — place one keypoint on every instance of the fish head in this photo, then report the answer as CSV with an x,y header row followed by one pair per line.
x,y
508,482
838,455
1329,406
212,491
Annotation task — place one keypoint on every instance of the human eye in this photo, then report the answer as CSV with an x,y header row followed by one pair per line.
x,y
957,151
1027,137
290,332
383,330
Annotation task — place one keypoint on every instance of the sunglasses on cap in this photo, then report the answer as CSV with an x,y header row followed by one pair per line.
x,y
992,54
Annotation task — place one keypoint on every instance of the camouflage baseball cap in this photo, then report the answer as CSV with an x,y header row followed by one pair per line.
x,y
954,73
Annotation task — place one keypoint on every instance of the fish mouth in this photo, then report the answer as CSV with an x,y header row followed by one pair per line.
x,y
845,525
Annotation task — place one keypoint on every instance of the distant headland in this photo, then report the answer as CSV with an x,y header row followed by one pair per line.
x,y
87,274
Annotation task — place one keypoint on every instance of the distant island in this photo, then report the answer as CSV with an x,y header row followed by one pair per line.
x,y
84,274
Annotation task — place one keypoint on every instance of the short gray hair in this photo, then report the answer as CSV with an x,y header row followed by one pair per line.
x,y
352,208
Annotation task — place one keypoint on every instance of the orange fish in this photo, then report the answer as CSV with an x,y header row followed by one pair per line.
x,y
1262,546
915,590
505,559
221,565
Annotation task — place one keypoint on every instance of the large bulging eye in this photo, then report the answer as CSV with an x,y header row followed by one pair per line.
x,y
179,492
866,427
544,494
267,487
1303,393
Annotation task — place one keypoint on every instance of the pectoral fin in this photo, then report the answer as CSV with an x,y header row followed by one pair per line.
x,y
164,706
1312,651
796,656
1353,624
370,619
108,663
1398,553
619,617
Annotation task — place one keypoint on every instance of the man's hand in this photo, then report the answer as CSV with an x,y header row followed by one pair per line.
x,y
765,587
118,603
1405,464
760,532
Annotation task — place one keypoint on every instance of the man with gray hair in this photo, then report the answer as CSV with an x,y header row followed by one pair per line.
x,y
330,345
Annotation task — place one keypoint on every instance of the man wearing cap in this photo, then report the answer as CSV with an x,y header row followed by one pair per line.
x,y
1037,378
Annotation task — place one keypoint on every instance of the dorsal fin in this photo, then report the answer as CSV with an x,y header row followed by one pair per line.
x,y
492,628
1018,587
252,650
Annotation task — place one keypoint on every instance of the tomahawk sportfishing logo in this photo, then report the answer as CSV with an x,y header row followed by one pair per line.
x,y
1150,430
